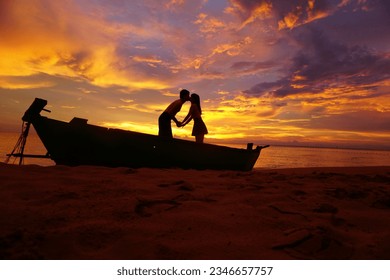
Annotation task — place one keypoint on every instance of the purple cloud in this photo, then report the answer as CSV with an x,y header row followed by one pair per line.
x,y
322,64
252,66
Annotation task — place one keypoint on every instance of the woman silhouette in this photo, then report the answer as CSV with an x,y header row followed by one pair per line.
x,y
199,129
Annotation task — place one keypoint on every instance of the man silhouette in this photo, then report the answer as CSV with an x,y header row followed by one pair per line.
x,y
164,121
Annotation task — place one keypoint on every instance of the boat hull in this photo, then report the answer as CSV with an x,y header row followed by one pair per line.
x,y
78,143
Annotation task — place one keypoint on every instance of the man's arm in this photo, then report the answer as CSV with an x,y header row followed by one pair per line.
x,y
188,118
177,122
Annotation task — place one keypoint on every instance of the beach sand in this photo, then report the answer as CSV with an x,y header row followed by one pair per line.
x,y
61,212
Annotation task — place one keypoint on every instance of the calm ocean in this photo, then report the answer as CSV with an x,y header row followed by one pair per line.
x,y
272,157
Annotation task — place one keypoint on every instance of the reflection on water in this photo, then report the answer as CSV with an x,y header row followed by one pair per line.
x,y
272,157
293,157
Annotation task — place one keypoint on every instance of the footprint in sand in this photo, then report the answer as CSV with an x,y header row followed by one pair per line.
x,y
146,208
382,202
326,208
341,193
314,243
180,185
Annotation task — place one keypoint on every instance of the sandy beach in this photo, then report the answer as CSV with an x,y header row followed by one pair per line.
x,y
85,212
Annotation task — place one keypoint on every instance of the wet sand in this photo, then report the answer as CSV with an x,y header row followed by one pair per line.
x,y
61,212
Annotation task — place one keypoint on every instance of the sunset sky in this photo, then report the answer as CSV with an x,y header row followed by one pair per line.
x,y
305,72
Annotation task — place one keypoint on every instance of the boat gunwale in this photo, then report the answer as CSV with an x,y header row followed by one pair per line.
x,y
158,138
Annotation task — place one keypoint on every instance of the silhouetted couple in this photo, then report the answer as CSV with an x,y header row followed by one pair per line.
x,y
195,112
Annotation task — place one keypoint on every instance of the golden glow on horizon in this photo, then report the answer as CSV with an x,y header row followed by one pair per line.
x,y
144,128
24,85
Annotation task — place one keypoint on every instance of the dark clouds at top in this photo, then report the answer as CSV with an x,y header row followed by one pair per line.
x,y
323,60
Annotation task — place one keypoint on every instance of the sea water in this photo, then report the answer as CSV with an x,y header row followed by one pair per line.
x,y
273,157
296,157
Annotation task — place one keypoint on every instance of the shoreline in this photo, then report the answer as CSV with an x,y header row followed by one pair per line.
x,y
86,212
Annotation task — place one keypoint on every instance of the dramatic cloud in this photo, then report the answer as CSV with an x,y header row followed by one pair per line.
x,y
63,39
250,11
322,64
297,13
273,70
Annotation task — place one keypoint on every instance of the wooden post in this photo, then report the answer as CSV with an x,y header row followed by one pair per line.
x,y
249,146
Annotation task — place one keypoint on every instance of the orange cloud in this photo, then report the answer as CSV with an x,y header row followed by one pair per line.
x,y
65,42
209,24
232,49
301,15
249,11
148,59
7,82
260,12
289,21
142,108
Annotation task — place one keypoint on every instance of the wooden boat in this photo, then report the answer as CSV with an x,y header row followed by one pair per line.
x,y
79,143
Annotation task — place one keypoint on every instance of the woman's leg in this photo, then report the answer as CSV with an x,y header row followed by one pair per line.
x,y
199,138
